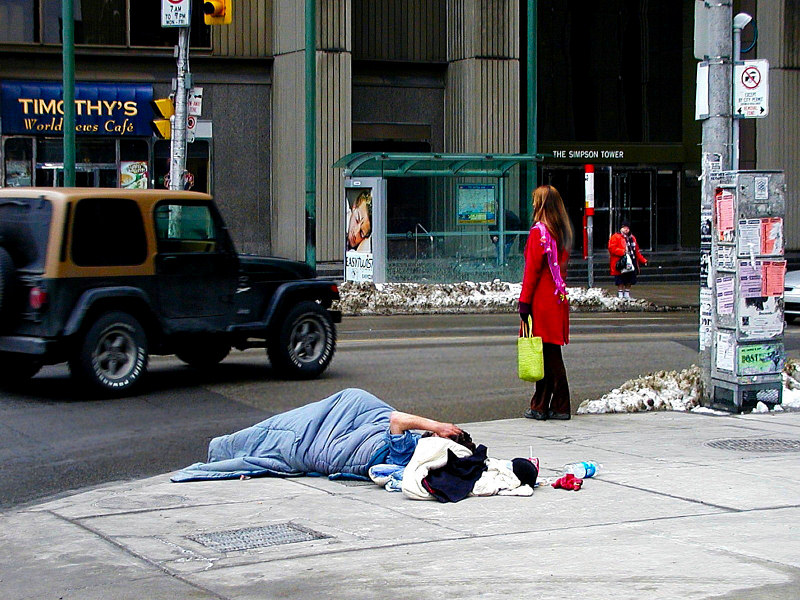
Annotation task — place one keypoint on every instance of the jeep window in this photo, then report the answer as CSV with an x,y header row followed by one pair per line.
x,y
185,228
108,231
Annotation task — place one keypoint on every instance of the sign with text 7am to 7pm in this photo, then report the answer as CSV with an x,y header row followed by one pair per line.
x,y
176,13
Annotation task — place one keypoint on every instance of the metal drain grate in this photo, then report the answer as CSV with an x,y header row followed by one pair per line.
x,y
756,445
256,537
353,482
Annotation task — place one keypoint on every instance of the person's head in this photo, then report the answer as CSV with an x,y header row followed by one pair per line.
x,y
462,438
625,228
359,226
548,207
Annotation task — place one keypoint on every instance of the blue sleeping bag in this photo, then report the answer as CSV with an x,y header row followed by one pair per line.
x,y
344,433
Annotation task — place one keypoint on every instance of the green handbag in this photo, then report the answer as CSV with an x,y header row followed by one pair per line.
x,y
530,361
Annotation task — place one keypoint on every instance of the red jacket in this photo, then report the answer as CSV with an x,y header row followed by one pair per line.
x,y
550,317
616,249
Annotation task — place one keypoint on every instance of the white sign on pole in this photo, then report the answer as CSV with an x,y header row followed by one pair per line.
x,y
194,101
701,95
176,13
751,89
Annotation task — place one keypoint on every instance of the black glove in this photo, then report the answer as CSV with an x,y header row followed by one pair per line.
x,y
524,311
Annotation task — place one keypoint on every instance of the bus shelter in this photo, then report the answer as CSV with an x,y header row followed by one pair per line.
x,y
437,218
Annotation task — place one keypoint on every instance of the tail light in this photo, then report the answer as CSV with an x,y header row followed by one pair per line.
x,y
335,288
37,298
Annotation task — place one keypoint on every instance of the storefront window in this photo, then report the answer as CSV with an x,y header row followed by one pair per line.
x,y
18,21
97,23
18,154
197,162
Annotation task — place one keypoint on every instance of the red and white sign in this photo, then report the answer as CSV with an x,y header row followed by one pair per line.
x,y
176,13
751,89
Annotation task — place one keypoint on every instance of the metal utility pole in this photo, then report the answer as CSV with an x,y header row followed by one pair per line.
x,y
714,27
68,66
532,114
311,132
739,22
177,164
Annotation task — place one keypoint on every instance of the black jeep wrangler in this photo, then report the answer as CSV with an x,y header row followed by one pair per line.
x,y
102,278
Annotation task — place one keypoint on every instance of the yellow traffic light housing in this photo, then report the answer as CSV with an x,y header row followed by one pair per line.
x,y
217,12
163,108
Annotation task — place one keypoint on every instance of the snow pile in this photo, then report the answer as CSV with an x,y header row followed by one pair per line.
x,y
662,390
465,297
674,390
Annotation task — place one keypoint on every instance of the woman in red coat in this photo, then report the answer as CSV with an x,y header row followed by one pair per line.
x,y
544,298
620,244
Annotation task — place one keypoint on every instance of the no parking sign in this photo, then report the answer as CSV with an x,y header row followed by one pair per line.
x,y
751,89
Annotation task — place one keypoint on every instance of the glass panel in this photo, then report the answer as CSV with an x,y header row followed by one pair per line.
x,y
146,30
19,158
197,163
97,22
108,231
17,21
185,228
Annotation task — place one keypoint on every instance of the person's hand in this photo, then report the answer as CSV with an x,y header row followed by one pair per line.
x,y
494,239
447,430
524,311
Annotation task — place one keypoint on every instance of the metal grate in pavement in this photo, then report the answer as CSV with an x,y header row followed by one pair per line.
x,y
256,537
756,444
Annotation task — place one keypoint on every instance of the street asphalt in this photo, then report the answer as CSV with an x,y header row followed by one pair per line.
x,y
685,505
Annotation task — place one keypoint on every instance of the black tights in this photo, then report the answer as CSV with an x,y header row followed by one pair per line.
x,y
552,392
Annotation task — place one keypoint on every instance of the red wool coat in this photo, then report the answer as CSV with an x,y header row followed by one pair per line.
x,y
550,317
616,250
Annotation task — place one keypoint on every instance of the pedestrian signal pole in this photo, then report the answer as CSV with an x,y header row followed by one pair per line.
x,y
177,165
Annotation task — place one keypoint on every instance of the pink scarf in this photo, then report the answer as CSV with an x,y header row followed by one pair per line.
x,y
551,251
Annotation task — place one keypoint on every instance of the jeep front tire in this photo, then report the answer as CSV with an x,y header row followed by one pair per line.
x,y
111,358
305,343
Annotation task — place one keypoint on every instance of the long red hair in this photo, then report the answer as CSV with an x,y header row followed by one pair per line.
x,y
548,207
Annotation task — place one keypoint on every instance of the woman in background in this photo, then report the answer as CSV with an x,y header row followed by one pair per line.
x,y
621,244
544,299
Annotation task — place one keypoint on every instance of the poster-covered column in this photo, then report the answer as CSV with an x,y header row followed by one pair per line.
x,y
365,229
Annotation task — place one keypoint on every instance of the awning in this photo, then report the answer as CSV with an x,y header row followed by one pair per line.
x,y
405,164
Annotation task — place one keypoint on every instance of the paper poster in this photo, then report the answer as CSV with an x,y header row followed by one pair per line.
x,y
133,175
760,359
725,295
772,236
760,318
725,354
706,299
772,277
705,269
705,227
726,258
725,220
749,237
750,279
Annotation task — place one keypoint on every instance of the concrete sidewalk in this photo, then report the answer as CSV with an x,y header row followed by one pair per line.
x,y
669,516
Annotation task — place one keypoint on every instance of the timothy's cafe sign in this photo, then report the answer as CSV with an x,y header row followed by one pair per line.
x,y
37,108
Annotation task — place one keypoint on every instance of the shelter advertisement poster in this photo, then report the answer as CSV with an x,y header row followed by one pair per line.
x,y
760,359
476,204
358,261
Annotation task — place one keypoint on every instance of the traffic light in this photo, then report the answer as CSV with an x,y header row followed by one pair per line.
x,y
218,12
163,108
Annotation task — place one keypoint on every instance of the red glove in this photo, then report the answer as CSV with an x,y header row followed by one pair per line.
x,y
568,482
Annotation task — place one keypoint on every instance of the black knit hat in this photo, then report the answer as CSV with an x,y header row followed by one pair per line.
x,y
525,471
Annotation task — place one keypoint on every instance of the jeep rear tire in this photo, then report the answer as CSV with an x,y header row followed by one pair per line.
x,y
203,355
111,358
6,281
306,342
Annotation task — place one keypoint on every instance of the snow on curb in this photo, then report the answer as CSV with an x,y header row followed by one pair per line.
x,y
680,390
465,297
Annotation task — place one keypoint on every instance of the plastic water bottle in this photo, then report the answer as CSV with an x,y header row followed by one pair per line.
x,y
582,470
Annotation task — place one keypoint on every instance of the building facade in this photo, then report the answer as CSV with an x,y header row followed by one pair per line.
x,y
615,88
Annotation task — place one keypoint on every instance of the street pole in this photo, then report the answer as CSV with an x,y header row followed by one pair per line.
x,y
532,74
589,211
311,133
716,147
739,22
177,164
68,62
